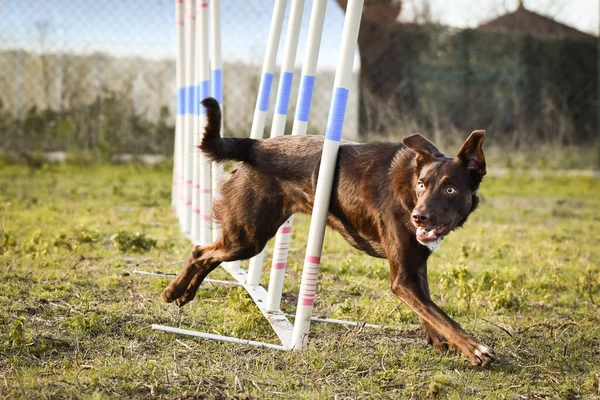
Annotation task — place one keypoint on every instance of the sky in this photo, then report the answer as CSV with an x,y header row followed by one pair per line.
x,y
146,27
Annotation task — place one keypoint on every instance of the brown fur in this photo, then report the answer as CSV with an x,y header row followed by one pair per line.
x,y
382,192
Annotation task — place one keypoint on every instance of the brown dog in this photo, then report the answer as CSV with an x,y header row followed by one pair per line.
x,y
391,200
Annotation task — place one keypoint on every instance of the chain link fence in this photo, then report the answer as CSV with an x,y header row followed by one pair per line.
x,y
100,76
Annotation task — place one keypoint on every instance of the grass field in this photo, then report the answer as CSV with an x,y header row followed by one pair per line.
x,y
523,275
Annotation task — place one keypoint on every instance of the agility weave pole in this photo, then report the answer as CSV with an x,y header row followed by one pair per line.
x,y
284,90
216,90
185,205
179,75
331,145
294,336
262,106
307,82
205,192
201,192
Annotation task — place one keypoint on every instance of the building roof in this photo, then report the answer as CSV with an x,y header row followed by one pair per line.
x,y
530,23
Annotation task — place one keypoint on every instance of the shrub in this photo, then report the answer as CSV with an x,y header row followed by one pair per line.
x,y
137,242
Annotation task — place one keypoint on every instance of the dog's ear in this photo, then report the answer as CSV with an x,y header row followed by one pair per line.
x,y
471,154
422,146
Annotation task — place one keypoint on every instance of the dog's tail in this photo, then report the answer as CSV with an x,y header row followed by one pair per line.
x,y
223,149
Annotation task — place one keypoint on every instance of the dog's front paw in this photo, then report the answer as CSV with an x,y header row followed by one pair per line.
x,y
477,353
484,355
186,298
170,294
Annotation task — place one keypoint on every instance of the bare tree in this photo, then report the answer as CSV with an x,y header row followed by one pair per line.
x,y
380,54
421,12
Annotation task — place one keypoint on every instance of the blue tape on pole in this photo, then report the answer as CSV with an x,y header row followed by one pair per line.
x,y
265,92
189,99
204,93
337,111
217,85
196,106
285,90
307,84
181,101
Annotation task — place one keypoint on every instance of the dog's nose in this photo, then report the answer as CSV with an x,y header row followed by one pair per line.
x,y
420,216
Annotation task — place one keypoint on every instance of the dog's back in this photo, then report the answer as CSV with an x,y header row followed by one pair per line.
x,y
290,158
282,172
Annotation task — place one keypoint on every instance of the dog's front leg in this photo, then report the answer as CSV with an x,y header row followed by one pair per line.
x,y
433,338
409,283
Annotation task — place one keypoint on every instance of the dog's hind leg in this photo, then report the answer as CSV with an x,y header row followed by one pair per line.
x,y
203,260
205,267
246,231
194,285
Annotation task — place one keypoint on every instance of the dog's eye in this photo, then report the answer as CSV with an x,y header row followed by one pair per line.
x,y
420,185
451,190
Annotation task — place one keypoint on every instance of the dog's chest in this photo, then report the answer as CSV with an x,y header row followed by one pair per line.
x,y
433,246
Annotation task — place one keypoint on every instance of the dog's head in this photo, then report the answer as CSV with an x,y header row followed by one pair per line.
x,y
445,189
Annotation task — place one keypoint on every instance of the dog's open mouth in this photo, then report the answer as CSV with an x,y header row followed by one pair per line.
x,y
425,235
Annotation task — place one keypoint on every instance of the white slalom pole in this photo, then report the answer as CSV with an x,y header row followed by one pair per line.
x,y
216,90
201,199
307,81
185,215
205,164
179,75
262,105
216,65
280,252
268,70
335,123
286,77
309,67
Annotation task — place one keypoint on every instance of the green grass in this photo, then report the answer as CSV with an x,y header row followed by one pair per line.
x,y
523,275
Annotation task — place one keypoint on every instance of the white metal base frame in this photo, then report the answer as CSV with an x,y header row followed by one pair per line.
x,y
278,319
221,338
163,275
